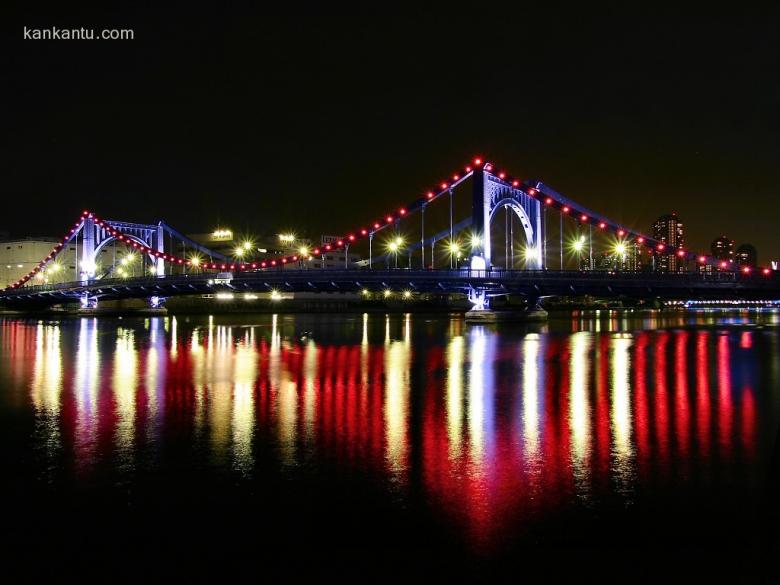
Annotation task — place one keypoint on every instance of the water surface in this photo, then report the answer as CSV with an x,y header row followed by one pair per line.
x,y
607,445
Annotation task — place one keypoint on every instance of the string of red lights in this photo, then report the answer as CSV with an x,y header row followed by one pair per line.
x,y
444,187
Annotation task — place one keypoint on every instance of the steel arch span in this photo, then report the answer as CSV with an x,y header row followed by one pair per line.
x,y
491,193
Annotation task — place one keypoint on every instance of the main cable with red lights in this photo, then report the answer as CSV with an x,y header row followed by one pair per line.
x,y
531,189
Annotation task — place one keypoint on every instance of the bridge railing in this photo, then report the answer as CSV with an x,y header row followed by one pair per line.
x,y
495,273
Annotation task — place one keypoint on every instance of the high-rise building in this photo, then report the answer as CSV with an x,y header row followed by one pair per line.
x,y
722,248
669,230
746,255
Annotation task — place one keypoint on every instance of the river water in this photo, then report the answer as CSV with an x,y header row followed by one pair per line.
x,y
609,446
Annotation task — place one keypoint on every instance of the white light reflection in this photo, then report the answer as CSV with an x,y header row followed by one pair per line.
x,y
310,365
531,403
476,407
579,408
155,378
286,391
245,373
621,410
87,383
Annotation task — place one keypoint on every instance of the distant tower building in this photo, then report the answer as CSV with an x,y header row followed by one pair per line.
x,y
634,258
669,230
747,255
722,248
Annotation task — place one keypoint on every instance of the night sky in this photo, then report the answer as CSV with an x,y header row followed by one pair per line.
x,y
321,119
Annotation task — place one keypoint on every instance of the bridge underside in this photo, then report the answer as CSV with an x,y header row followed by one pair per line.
x,y
532,284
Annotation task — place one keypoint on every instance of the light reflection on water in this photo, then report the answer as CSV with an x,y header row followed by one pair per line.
x,y
498,424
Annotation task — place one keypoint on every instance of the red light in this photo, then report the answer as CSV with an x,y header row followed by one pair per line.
x,y
515,183
327,246
389,219
702,259
640,239
443,185
455,177
402,211
468,169
501,175
294,258
583,217
488,166
477,161
351,238
746,269
273,262
531,191
681,253
262,264
223,267
340,243
766,271
621,233
430,195
661,246
243,267
316,251
565,209
548,201
363,232
376,226
602,225
254,265
284,260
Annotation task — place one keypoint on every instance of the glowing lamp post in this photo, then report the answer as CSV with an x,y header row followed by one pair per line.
x,y
620,252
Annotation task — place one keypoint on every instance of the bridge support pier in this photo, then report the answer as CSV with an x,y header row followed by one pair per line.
x,y
156,302
88,302
482,313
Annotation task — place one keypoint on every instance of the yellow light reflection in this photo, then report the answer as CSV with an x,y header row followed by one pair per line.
x,y
396,405
46,386
455,360
47,371
124,384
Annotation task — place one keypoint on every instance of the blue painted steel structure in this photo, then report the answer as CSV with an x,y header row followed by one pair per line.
x,y
532,284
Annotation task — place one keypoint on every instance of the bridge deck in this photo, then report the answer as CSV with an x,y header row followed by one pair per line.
x,y
530,283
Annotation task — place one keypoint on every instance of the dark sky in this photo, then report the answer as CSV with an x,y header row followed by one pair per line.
x,y
323,118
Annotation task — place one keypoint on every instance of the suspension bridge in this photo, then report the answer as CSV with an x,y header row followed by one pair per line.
x,y
554,233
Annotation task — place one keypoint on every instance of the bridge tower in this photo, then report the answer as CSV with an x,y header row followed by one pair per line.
x,y
94,238
88,266
491,193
